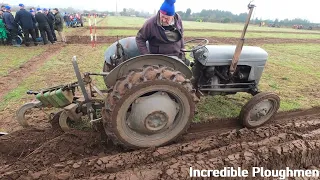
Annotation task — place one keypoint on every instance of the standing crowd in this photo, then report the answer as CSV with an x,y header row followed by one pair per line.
x,y
30,23
71,18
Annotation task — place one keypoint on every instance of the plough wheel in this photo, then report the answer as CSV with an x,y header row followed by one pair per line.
x,y
149,107
63,121
20,114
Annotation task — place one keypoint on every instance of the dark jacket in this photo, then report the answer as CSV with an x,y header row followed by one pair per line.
x,y
35,24
25,19
58,22
50,18
9,20
155,34
42,19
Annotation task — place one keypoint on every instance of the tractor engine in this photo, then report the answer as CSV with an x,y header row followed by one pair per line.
x,y
211,69
217,79
222,74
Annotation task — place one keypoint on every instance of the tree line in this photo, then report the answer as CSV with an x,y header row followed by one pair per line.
x,y
228,17
221,17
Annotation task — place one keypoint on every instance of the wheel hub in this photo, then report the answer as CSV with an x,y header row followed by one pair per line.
x,y
156,120
153,113
260,110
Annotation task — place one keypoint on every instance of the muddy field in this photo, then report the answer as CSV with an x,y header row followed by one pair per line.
x,y
291,140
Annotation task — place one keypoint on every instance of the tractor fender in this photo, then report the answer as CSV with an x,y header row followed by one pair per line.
x,y
129,46
149,59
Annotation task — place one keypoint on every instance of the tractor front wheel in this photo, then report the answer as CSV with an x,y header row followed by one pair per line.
x,y
259,109
149,107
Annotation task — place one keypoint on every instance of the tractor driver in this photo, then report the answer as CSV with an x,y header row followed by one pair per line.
x,y
164,32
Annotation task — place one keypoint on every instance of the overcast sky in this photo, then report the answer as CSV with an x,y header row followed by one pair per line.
x,y
266,9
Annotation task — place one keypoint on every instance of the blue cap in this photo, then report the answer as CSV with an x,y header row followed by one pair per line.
x,y
21,5
7,7
44,9
31,10
38,9
167,7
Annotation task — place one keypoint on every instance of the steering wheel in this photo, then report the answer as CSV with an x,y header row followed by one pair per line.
x,y
199,46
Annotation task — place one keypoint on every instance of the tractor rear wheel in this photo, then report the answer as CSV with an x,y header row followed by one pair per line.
x,y
259,109
149,107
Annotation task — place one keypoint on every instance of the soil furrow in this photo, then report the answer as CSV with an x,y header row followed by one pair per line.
x,y
297,154
290,143
210,30
212,40
216,126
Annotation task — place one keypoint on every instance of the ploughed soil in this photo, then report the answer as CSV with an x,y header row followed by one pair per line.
x,y
212,40
210,30
292,140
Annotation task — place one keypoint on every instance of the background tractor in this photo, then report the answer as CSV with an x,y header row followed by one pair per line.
x,y
151,99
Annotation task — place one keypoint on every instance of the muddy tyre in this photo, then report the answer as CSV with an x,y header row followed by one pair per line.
x,y
259,109
149,107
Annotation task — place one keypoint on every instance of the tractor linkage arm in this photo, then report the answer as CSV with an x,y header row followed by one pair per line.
x,y
239,46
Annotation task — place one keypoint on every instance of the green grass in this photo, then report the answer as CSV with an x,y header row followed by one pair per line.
x,y
61,71
220,106
252,35
13,57
126,32
115,21
123,21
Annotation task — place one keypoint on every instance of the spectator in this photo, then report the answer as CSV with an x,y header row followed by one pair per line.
x,y
35,25
43,24
66,19
51,22
11,25
58,24
26,21
3,33
2,10
1,14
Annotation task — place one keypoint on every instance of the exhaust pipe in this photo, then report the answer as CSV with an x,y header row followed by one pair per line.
x,y
239,46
